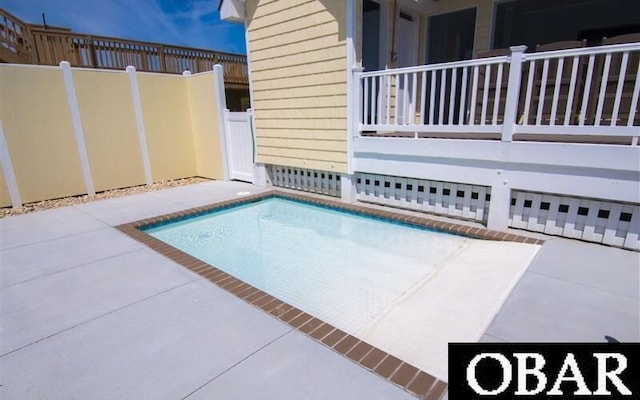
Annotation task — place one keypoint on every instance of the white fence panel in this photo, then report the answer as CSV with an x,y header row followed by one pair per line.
x,y
448,198
240,145
593,220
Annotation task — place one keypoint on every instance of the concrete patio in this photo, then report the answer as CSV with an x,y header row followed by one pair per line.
x,y
87,312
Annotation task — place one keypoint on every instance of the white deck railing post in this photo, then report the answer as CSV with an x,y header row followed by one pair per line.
x,y
513,92
358,100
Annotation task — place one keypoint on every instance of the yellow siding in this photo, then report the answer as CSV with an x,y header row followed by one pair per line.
x,y
37,123
205,125
109,124
298,70
5,200
167,121
325,134
291,143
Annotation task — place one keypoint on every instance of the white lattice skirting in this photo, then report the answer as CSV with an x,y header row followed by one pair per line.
x,y
307,180
593,220
449,198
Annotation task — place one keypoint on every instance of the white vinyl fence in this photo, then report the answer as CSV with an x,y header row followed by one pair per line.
x,y
240,145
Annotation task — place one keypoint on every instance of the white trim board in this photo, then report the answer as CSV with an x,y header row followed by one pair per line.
x,y
142,137
8,172
77,127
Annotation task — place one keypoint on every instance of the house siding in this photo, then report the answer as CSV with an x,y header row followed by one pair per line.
x,y
297,55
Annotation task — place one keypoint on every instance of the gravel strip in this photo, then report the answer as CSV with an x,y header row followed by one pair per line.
x,y
107,194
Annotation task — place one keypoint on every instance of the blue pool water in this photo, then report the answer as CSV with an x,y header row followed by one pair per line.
x,y
342,268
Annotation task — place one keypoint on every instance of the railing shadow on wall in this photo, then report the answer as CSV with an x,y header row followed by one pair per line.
x,y
576,95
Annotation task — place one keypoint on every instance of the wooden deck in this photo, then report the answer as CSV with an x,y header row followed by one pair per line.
x,y
23,43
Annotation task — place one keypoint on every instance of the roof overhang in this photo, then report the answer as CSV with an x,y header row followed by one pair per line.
x,y
232,10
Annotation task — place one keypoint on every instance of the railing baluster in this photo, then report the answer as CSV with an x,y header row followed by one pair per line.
x,y
367,102
375,99
463,96
397,99
603,89
485,93
634,100
556,91
423,96
543,88
443,85
405,98
572,89
496,100
587,89
432,97
474,92
621,78
527,101
388,99
414,96
452,94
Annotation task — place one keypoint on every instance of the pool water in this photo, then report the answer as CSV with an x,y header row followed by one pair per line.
x,y
345,269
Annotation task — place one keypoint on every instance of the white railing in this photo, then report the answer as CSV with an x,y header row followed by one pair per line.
x,y
584,91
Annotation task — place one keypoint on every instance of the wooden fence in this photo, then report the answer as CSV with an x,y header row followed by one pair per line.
x,y
24,43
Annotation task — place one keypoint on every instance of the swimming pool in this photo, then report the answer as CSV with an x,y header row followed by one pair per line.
x,y
345,269
409,323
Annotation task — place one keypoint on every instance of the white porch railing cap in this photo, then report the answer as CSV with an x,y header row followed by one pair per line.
x,y
582,51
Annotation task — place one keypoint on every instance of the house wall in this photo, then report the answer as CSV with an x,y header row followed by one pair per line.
x,y
297,53
178,112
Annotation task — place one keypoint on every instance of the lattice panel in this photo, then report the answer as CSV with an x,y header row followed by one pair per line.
x,y
449,198
593,220
307,180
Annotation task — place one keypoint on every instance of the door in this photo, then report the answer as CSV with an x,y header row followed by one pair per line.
x,y
407,57
240,146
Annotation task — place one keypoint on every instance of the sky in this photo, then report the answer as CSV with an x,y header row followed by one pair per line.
x,y
191,23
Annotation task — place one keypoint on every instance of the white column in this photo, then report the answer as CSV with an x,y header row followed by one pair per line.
x,y
218,73
261,176
351,63
8,172
498,219
77,127
142,135
348,187
513,92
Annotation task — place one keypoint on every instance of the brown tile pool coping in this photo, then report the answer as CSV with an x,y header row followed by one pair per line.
x,y
402,374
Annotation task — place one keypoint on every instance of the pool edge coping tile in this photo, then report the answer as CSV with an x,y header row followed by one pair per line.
x,y
296,318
